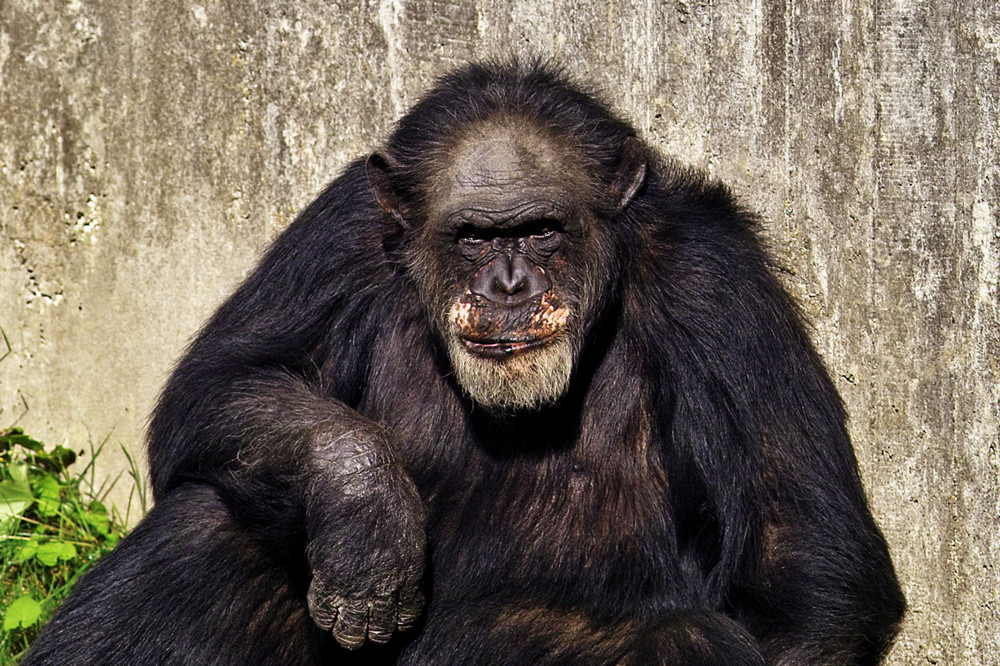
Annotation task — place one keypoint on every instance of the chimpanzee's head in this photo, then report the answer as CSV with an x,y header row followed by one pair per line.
x,y
511,231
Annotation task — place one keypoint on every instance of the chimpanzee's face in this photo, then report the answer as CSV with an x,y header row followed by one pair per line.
x,y
511,243
506,263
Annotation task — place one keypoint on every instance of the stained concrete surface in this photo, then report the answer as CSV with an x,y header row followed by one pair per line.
x,y
149,151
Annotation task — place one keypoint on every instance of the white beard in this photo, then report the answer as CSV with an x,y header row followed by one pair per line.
x,y
523,381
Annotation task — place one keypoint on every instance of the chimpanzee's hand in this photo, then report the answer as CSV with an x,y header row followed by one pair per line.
x,y
365,524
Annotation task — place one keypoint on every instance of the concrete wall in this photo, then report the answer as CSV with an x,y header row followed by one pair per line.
x,y
149,151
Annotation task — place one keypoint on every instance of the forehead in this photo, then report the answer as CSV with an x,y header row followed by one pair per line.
x,y
506,163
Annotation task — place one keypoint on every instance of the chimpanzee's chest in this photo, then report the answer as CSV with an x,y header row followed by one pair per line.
x,y
570,502
562,528
572,505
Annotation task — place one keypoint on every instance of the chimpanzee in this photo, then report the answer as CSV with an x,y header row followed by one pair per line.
x,y
513,390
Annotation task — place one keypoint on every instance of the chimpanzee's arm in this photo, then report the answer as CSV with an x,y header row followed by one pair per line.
x,y
308,303
247,413
763,478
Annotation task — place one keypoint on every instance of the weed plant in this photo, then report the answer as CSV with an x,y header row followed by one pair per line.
x,y
53,526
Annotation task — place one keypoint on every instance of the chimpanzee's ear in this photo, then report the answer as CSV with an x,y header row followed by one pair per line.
x,y
378,168
631,171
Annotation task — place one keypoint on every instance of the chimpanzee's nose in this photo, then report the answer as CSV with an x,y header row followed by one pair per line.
x,y
510,279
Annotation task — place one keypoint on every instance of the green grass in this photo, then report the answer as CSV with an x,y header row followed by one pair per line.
x,y
53,526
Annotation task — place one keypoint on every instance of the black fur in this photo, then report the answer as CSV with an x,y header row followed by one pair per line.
x,y
693,499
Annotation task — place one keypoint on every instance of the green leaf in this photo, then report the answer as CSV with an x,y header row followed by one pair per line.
x,y
28,550
48,493
15,495
97,517
15,436
61,458
51,552
23,613
18,472
48,553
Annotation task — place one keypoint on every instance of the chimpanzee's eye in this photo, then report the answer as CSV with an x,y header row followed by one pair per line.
x,y
470,235
472,242
544,228
544,236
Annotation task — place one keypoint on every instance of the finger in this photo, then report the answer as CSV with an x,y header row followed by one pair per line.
x,y
382,619
351,625
322,607
411,605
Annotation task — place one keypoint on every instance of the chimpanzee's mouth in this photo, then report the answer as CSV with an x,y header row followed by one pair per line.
x,y
501,349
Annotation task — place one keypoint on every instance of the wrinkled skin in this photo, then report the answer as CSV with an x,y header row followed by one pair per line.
x,y
370,599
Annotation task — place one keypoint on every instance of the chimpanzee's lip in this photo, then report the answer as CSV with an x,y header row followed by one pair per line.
x,y
500,349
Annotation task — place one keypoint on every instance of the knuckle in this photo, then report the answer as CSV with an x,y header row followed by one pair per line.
x,y
322,608
349,641
351,625
379,637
